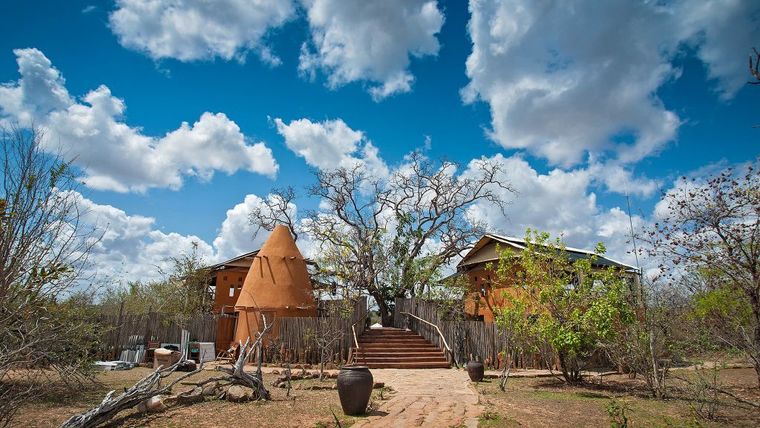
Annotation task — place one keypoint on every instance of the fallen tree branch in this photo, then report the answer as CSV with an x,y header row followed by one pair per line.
x,y
237,372
144,389
150,386
724,392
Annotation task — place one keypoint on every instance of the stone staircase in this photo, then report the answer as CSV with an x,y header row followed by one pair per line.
x,y
393,348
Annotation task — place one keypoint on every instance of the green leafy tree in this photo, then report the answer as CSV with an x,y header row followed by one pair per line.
x,y
570,305
515,324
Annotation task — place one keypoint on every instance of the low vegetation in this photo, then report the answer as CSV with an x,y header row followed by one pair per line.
x,y
617,401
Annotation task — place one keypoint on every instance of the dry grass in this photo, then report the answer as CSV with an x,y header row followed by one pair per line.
x,y
550,402
527,402
304,408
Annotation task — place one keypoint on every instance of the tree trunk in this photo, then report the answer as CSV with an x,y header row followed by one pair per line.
x,y
754,342
570,369
385,312
756,345
505,370
563,367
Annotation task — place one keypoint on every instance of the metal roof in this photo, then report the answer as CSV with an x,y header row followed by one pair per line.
x,y
573,253
226,263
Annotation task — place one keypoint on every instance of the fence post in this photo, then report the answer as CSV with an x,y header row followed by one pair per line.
x,y
148,327
117,331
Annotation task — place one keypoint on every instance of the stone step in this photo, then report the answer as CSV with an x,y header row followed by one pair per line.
x,y
400,359
389,336
408,353
389,333
403,340
397,348
382,346
408,365
399,351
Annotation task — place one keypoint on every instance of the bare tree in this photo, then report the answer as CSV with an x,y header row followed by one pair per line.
x,y
389,237
43,250
278,208
714,228
325,336
645,344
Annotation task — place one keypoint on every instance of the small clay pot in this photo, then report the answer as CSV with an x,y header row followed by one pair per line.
x,y
354,389
475,370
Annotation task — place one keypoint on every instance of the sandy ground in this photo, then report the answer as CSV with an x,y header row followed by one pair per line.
x,y
433,398
425,398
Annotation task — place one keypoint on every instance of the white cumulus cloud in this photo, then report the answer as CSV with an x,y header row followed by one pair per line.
x,y
560,202
237,235
370,41
564,79
114,155
618,179
131,247
190,30
331,144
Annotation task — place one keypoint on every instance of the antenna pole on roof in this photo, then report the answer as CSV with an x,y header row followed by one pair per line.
x,y
637,279
633,237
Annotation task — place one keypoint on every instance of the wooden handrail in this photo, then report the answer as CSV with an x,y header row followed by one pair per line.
x,y
353,329
446,345
352,355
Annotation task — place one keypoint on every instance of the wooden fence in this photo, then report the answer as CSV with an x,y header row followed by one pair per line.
x,y
465,338
296,341
117,330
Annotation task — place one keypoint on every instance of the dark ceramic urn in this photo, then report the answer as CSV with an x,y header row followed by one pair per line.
x,y
354,388
475,370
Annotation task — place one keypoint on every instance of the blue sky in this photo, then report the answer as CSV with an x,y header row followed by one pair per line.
x,y
582,104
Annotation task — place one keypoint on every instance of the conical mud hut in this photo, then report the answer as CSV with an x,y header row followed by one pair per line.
x,y
277,285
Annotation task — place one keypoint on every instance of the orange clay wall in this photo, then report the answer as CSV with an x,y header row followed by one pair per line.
x,y
486,294
226,280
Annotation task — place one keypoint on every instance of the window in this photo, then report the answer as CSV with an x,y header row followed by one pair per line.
x,y
232,291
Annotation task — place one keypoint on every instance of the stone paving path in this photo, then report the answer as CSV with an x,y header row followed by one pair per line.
x,y
425,398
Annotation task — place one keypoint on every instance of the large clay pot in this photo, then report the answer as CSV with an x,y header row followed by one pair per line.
x,y
475,370
354,388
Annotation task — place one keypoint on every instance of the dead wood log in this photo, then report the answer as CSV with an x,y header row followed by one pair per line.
x,y
147,387
150,386
720,390
237,374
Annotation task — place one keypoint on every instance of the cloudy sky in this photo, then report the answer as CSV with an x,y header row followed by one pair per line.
x,y
182,115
